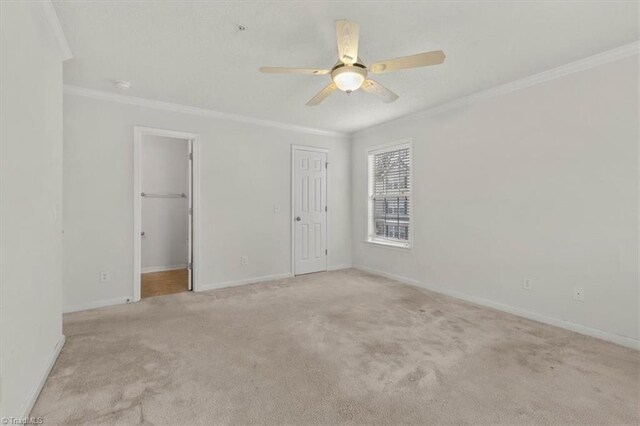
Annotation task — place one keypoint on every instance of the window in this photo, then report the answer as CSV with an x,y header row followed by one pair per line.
x,y
390,195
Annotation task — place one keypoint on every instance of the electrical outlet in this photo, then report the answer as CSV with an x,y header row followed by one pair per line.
x,y
578,293
104,277
276,208
527,283
244,260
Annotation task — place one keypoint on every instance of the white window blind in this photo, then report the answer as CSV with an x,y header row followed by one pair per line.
x,y
390,195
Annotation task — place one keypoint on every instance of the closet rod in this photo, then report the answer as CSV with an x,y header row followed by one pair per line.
x,y
148,195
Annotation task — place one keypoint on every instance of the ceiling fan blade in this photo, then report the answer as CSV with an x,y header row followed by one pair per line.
x,y
284,70
379,90
347,34
322,95
420,60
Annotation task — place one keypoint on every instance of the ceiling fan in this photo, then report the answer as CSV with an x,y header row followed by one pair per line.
x,y
350,74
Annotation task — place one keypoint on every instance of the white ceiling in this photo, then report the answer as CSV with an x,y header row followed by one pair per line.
x,y
192,53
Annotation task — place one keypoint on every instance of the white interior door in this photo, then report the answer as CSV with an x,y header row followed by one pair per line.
x,y
190,217
310,211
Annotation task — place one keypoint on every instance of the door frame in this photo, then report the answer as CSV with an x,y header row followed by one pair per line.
x,y
295,148
138,133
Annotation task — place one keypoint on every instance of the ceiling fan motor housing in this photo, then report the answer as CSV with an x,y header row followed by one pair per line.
x,y
349,77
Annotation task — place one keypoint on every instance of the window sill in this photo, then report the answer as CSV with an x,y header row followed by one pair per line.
x,y
391,245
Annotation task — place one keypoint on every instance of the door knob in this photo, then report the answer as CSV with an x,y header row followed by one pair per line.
x,y
298,219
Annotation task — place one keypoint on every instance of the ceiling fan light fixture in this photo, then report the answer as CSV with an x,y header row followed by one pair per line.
x,y
350,73
349,78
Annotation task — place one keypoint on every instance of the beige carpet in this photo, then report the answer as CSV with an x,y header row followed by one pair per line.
x,y
331,348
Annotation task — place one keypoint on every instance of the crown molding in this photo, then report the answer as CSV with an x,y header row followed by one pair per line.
x,y
54,23
616,54
185,109
606,57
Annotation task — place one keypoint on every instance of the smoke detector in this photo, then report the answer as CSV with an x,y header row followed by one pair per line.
x,y
122,85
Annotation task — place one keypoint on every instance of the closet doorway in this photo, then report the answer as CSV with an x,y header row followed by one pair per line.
x,y
164,211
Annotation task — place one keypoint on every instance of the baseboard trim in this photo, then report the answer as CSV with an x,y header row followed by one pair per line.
x,y
567,325
198,288
236,283
43,377
163,268
338,267
96,304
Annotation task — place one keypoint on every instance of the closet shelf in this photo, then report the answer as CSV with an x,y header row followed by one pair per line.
x,y
150,195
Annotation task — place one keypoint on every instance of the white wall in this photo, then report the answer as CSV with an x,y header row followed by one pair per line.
x,y
164,170
30,190
245,170
539,183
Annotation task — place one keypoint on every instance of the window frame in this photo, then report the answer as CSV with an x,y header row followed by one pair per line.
x,y
370,225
